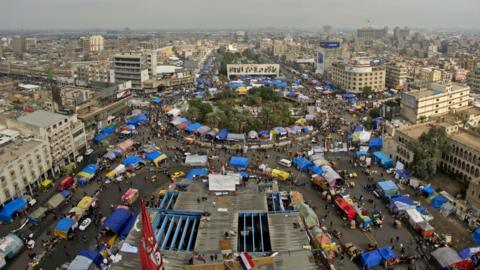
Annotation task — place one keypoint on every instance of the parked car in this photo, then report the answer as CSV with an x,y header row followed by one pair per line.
x,y
85,223
88,152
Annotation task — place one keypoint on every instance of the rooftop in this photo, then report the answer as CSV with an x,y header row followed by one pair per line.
x,y
415,131
12,150
42,118
225,211
467,138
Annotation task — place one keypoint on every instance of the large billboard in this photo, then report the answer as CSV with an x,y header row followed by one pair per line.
x,y
320,61
253,69
330,44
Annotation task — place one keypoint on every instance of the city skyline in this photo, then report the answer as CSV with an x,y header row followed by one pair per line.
x,y
216,14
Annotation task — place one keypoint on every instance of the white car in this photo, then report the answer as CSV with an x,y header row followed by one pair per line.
x,y
88,152
85,223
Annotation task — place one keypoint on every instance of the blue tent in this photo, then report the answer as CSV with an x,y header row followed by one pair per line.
x,y
155,100
132,160
314,169
469,252
388,188
438,201
375,143
476,236
64,224
222,135
101,137
90,169
65,193
138,119
128,227
263,133
359,128
110,129
301,163
403,174
192,127
153,155
428,191
15,205
377,122
117,220
95,256
239,162
196,172
382,159
386,253
360,153
370,259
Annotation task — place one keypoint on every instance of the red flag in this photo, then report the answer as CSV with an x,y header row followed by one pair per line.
x,y
150,256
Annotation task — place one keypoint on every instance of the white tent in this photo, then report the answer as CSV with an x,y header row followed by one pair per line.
x,y
414,217
196,160
174,112
219,182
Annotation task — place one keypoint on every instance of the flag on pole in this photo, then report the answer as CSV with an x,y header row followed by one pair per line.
x,y
150,256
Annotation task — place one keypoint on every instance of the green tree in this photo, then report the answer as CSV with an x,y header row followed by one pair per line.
x,y
426,151
374,112
367,91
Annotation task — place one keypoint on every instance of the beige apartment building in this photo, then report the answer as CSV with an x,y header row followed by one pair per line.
x,y
357,74
396,75
24,162
65,134
429,74
437,100
473,80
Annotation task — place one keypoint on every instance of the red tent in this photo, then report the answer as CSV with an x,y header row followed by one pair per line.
x,y
346,208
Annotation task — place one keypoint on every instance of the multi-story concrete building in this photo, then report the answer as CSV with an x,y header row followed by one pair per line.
x,y
328,53
396,75
463,159
401,34
429,74
357,74
19,45
24,162
89,72
92,43
371,33
473,193
437,100
473,80
64,134
136,68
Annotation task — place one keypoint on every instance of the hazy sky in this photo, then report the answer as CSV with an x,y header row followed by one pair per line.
x,y
165,14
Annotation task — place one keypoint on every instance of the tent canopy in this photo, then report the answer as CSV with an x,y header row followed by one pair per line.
x,y
386,253
445,256
138,119
476,236
222,135
239,162
438,201
347,209
192,127
370,259
196,160
301,163
219,182
132,160
383,159
375,143
11,208
196,172
117,220
64,224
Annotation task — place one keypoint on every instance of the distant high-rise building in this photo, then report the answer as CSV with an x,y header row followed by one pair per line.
x,y
122,43
96,43
327,29
31,43
371,33
328,53
92,44
401,34
19,45
136,68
